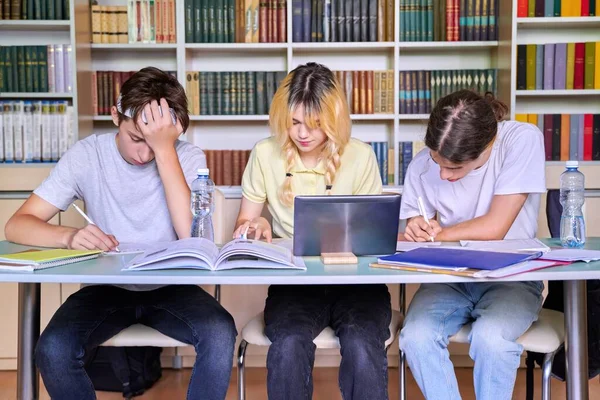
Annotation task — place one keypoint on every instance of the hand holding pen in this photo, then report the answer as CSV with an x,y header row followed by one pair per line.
x,y
91,237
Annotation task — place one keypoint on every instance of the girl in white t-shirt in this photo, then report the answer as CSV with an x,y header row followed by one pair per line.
x,y
480,178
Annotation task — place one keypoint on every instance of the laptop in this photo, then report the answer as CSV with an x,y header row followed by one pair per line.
x,y
363,224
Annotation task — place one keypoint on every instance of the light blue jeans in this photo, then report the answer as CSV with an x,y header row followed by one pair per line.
x,y
500,313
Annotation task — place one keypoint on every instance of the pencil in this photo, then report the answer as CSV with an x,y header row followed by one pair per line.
x,y
423,213
89,220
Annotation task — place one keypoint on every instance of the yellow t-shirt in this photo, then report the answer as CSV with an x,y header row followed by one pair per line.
x,y
265,173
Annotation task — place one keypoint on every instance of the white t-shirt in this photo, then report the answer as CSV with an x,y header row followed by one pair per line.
x,y
516,165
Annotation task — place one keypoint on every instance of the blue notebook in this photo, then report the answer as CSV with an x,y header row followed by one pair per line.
x,y
458,258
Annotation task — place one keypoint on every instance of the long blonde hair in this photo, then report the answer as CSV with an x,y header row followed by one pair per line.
x,y
315,87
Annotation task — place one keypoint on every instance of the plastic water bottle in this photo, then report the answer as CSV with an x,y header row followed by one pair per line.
x,y
202,205
572,188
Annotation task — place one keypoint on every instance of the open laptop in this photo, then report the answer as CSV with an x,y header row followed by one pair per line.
x,y
363,225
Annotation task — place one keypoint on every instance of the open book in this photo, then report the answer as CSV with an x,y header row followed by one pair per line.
x,y
199,253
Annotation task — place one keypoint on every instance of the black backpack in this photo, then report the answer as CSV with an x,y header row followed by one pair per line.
x,y
130,370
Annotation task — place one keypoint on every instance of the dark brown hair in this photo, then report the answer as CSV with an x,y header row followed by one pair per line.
x,y
463,124
149,84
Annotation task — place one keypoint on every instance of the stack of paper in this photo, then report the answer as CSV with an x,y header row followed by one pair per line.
x,y
572,255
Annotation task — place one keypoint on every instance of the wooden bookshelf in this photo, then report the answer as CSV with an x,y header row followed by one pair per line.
x,y
558,22
34,25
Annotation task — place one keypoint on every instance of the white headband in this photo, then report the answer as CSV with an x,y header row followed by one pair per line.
x,y
129,113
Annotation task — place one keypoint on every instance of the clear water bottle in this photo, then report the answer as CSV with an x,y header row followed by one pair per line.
x,y
572,190
202,205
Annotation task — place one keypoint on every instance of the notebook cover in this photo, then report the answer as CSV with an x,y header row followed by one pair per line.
x,y
456,258
42,256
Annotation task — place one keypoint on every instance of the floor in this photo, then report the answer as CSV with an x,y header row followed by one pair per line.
x,y
173,386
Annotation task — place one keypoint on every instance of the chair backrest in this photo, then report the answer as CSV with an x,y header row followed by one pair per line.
x,y
553,212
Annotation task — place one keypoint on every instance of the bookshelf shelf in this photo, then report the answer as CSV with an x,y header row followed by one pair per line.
x,y
134,46
581,163
236,46
414,117
558,22
449,46
372,117
34,25
36,95
342,46
549,93
102,118
246,118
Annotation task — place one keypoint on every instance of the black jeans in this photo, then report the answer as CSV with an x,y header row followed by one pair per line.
x,y
96,313
360,316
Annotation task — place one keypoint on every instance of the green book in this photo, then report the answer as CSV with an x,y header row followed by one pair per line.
x,y
30,10
442,11
218,96
231,20
189,21
8,69
2,71
43,68
590,54
219,23
39,7
241,93
233,93
58,9
244,93
204,93
29,50
531,8
22,86
205,22
261,108
212,21
50,10
197,25
210,92
269,88
557,8
251,93
226,76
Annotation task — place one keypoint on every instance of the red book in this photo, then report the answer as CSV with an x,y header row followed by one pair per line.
x,y
456,22
588,130
578,78
449,20
522,8
263,27
585,8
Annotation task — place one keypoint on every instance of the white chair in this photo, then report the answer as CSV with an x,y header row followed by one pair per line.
x,y
546,336
254,333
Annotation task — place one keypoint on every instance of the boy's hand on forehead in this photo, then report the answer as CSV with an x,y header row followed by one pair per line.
x,y
159,132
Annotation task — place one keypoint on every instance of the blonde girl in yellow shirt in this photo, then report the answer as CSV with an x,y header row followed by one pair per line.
x,y
311,152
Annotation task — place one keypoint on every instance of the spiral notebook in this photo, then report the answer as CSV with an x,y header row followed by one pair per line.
x,y
33,260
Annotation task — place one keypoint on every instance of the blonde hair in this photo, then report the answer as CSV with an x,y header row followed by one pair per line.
x,y
315,87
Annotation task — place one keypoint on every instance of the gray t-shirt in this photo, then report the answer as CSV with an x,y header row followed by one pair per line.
x,y
124,200
516,165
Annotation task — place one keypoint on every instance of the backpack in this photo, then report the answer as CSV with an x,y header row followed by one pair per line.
x,y
130,370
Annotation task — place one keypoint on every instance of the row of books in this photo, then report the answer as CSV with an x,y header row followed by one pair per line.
x,y
368,92
140,21
227,166
106,87
421,90
235,21
558,8
385,159
231,93
568,136
342,20
448,20
45,69
558,66
35,10
35,130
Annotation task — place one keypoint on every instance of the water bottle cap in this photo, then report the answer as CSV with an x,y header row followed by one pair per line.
x,y
572,164
203,171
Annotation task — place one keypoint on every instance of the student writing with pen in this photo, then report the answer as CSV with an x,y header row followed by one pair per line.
x,y
135,185
479,178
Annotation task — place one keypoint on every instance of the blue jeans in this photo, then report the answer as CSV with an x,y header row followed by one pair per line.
x,y
96,313
360,316
500,313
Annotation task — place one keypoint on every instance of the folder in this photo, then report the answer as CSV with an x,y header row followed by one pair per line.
x,y
32,260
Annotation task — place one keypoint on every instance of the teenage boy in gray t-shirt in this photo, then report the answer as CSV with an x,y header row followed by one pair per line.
x,y
135,185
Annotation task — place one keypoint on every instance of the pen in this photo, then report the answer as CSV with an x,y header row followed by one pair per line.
x,y
245,234
80,211
423,213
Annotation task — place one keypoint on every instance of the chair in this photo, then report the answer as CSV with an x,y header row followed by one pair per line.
x,y
141,335
254,333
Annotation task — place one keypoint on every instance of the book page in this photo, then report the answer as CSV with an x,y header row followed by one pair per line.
x,y
248,253
193,249
133,248
572,255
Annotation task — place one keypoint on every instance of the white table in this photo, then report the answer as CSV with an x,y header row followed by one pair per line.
x,y
107,270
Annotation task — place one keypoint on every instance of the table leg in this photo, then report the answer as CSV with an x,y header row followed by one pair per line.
x,y
576,347
29,332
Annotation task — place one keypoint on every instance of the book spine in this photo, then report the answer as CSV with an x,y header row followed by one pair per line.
x,y
590,55
548,66
579,66
560,65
